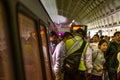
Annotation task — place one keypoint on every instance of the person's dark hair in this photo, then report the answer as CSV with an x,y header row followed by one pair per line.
x,y
118,32
101,42
101,37
67,34
81,31
96,35
52,33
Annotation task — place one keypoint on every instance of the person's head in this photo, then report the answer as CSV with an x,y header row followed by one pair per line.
x,y
53,37
95,38
102,45
113,38
80,32
101,37
67,35
107,38
117,36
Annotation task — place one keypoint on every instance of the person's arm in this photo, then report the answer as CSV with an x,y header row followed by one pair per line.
x,y
108,54
89,59
118,57
96,64
59,57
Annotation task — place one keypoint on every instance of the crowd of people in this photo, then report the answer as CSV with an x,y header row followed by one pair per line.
x,y
100,58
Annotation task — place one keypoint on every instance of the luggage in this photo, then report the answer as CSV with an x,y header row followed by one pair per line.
x,y
72,61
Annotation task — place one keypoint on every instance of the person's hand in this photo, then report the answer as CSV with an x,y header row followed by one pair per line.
x,y
88,76
99,69
104,68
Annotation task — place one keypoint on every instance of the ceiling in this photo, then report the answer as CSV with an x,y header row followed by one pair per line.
x,y
79,11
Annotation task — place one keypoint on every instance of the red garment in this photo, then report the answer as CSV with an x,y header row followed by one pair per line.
x,y
118,75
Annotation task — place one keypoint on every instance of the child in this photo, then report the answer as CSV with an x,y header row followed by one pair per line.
x,y
99,60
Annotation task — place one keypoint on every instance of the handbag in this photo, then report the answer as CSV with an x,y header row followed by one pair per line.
x,y
72,61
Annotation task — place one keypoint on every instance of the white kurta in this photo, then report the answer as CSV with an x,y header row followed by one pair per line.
x,y
58,56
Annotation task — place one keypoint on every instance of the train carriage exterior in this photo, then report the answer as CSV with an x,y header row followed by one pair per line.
x,y
24,53
24,34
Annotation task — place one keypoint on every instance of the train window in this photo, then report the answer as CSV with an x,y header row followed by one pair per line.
x,y
45,53
6,67
30,47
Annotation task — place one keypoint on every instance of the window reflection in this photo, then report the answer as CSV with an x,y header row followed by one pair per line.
x,y
30,48
45,53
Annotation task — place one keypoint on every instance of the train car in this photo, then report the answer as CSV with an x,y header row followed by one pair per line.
x,y
24,52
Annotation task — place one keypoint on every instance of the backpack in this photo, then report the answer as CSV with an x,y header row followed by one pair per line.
x,y
72,61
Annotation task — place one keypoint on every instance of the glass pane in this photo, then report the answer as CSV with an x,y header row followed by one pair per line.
x,y
45,51
6,68
30,48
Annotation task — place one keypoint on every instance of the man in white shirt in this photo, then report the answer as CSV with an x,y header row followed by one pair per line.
x,y
59,55
95,41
